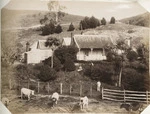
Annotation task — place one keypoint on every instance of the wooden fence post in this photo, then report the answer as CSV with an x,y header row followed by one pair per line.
x,y
91,91
80,89
124,96
48,87
60,88
70,89
38,86
102,93
10,84
28,83
147,97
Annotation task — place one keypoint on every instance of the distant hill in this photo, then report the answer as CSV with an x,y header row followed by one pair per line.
x,y
27,18
140,20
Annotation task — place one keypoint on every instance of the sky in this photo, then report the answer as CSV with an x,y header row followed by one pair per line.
x,y
89,8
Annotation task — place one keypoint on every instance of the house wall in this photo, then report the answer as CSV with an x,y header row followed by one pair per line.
x,y
94,55
36,56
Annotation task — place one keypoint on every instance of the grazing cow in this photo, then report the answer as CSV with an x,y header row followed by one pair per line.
x,y
5,101
83,102
132,106
27,92
55,98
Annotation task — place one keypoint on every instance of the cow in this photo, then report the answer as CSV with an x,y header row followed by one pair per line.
x,y
5,101
27,92
132,106
55,98
83,102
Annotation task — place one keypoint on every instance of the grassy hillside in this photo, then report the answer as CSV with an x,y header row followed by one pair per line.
x,y
140,20
27,18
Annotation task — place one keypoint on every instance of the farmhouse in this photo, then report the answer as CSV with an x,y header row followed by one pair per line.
x,y
37,52
91,47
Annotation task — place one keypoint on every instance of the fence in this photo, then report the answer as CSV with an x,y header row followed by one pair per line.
x,y
79,89
125,95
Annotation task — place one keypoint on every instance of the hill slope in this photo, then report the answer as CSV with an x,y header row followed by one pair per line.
x,y
27,18
140,20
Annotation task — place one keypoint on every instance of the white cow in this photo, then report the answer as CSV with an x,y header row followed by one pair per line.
x,y
55,98
84,102
27,92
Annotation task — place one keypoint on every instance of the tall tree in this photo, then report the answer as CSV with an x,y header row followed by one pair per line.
x,y
71,27
53,43
112,20
56,7
103,21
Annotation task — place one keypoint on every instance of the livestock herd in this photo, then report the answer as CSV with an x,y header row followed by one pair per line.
x,y
83,101
54,97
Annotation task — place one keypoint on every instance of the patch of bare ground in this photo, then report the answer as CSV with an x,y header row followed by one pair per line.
x,y
66,104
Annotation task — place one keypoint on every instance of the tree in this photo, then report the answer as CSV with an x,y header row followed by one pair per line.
x,y
53,43
69,64
112,20
56,7
132,55
93,22
58,29
103,21
71,27
57,63
46,73
66,51
48,28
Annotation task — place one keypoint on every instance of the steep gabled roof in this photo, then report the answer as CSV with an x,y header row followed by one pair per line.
x,y
92,41
41,45
66,41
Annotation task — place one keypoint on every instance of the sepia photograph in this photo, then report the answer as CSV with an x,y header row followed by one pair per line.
x,y
75,56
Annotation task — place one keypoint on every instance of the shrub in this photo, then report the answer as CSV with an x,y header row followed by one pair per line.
x,y
102,71
58,29
132,55
112,20
47,73
57,63
71,27
48,29
69,64
132,80
103,21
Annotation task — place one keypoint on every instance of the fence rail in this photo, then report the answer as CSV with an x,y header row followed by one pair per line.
x,y
126,95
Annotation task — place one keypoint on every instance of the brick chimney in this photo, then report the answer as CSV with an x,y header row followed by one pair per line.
x,y
27,46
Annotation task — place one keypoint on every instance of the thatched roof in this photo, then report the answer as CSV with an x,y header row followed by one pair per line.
x,y
92,41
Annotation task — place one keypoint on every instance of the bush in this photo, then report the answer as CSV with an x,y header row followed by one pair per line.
x,y
132,80
71,27
48,29
58,29
103,21
132,55
57,63
112,20
69,64
66,51
47,73
102,71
